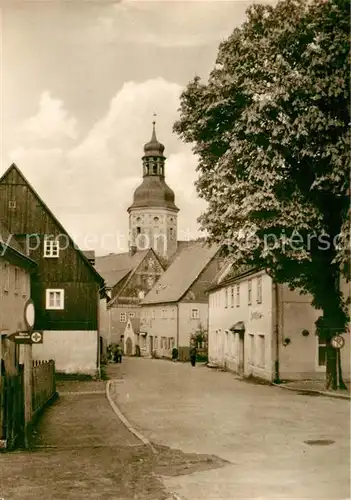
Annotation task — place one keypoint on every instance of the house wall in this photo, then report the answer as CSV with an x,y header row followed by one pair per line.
x,y
12,301
73,351
224,346
116,325
160,322
298,359
189,325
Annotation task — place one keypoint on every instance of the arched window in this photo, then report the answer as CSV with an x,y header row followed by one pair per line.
x,y
138,230
156,220
154,169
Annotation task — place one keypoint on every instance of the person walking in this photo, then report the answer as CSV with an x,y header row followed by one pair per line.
x,y
118,354
193,354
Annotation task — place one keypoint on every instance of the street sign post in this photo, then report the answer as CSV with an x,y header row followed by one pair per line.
x,y
337,342
36,337
20,337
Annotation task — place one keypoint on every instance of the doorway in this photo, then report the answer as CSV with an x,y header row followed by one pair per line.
x,y
129,347
241,353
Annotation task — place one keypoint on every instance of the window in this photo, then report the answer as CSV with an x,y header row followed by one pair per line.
x,y
237,295
132,314
252,349
17,279
155,342
138,229
123,317
259,290
6,277
156,220
153,314
12,204
322,351
261,351
226,291
54,299
249,292
232,296
51,248
172,342
195,314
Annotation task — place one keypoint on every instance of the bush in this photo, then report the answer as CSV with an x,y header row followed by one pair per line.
x,y
174,353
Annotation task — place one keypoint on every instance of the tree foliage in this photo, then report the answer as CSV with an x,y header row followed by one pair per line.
x,y
271,132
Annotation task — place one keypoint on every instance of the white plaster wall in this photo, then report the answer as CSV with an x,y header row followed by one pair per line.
x,y
72,351
257,317
299,359
159,325
188,325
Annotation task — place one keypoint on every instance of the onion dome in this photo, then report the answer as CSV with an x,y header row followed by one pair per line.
x,y
153,192
154,148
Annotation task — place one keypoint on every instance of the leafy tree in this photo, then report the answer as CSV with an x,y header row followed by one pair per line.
x,y
270,129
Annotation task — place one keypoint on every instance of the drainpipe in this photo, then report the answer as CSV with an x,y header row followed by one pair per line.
x,y
178,327
276,334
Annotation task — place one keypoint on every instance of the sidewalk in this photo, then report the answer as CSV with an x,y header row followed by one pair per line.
x,y
81,451
315,387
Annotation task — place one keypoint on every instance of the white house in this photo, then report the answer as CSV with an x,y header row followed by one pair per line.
x,y
265,330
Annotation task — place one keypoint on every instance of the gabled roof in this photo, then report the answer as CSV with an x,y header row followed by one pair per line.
x,y
9,242
57,222
187,266
230,274
115,266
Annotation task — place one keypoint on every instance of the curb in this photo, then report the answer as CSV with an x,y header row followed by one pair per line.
x,y
313,391
125,421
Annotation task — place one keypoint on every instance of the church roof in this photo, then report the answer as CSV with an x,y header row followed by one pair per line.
x,y
186,267
153,147
153,192
115,266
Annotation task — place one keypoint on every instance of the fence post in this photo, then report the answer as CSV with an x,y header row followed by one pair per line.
x,y
28,390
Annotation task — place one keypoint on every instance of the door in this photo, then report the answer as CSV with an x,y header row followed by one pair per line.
x,y
151,344
241,353
129,347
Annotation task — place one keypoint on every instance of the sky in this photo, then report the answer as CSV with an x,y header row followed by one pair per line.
x,y
80,81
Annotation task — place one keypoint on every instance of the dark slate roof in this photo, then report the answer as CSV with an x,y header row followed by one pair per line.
x,y
9,241
189,262
116,266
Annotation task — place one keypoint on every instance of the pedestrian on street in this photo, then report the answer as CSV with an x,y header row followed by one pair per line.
x,y
118,354
193,354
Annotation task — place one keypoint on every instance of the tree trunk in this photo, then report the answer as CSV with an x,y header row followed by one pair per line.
x,y
331,368
341,384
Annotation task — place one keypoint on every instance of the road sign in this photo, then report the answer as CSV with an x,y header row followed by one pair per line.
x,y
37,337
20,338
29,314
337,342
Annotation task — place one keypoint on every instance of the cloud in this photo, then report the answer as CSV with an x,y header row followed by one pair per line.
x,y
89,184
51,122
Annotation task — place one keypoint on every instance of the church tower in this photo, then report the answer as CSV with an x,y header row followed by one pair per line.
x,y
153,213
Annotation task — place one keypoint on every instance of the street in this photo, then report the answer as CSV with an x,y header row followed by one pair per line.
x,y
213,437
261,430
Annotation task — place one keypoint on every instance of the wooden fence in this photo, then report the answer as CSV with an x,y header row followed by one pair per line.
x,y
11,410
44,386
12,431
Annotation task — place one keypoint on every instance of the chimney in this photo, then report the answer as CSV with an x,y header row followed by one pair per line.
x,y
132,250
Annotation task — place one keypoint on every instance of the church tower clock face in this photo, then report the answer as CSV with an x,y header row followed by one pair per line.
x,y
153,213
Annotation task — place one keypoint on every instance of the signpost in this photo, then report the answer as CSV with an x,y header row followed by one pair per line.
x,y
337,342
27,338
